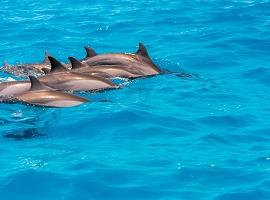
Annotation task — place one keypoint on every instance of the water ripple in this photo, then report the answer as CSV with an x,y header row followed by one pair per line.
x,y
203,136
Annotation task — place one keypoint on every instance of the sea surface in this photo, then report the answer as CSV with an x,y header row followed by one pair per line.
x,y
202,137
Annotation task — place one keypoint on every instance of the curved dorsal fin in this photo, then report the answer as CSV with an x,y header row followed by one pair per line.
x,y
37,85
46,59
142,51
90,52
56,66
75,64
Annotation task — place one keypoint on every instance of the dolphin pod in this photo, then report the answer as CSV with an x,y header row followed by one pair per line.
x,y
94,72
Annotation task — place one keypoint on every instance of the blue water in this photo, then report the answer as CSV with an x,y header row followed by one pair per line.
x,y
165,137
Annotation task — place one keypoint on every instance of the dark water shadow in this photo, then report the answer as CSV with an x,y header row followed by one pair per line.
x,y
20,122
24,134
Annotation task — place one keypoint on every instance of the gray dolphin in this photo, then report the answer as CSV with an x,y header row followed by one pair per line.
x,y
139,60
42,95
24,70
113,70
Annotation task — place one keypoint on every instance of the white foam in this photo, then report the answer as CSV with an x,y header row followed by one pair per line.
x,y
7,79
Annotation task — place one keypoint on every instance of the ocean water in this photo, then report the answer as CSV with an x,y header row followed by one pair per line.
x,y
165,137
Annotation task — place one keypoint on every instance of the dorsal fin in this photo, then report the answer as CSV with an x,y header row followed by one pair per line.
x,y
56,66
75,64
45,70
90,52
37,85
46,59
142,51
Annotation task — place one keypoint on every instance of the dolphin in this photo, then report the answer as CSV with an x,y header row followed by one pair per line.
x,y
139,60
112,70
42,95
43,65
24,70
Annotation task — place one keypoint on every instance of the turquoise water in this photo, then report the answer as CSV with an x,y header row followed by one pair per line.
x,y
165,137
